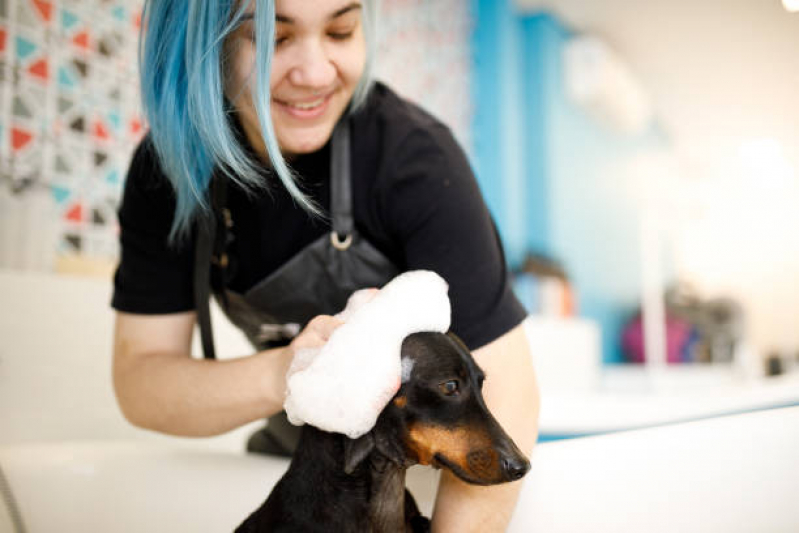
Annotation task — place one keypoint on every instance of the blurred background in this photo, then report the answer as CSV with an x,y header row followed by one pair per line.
x,y
639,158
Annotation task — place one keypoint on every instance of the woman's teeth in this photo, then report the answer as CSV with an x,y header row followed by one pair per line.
x,y
307,105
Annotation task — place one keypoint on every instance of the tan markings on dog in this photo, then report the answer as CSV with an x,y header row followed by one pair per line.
x,y
484,463
469,450
400,401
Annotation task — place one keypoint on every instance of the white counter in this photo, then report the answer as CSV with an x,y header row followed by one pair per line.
x,y
737,474
61,431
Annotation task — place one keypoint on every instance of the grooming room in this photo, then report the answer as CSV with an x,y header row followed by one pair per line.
x,y
399,265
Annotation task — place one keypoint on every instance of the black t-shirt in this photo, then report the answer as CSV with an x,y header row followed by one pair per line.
x,y
415,199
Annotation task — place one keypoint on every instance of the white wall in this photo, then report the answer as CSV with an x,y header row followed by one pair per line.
x,y
56,340
724,77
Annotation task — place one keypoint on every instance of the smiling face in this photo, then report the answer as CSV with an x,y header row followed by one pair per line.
x,y
320,54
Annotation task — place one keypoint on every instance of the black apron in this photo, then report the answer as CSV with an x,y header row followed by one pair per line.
x,y
318,280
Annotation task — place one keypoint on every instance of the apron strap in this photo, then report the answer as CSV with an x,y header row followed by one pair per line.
x,y
340,187
206,233
212,232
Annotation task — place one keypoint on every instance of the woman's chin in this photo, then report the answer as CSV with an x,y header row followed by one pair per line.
x,y
305,143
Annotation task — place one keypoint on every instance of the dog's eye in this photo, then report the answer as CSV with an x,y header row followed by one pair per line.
x,y
450,388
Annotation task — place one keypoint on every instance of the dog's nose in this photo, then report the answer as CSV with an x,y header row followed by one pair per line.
x,y
515,467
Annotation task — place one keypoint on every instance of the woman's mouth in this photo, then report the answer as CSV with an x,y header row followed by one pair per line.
x,y
305,109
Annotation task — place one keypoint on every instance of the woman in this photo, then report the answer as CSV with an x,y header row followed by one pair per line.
x,y
242,101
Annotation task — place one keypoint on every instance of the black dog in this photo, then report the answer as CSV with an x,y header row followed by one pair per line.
x,y
437,418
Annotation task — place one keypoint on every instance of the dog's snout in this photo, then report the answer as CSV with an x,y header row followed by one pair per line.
x,y
515,467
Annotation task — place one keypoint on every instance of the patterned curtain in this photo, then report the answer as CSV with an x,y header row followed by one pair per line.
x,y
69,119
70,114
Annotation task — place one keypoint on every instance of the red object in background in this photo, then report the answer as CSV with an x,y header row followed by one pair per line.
x,y
2,39
100,131
135,127
40,69
20,138
82,39
45,9
569,301
75,213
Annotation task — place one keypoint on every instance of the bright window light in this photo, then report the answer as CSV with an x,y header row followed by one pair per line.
x,y
791,5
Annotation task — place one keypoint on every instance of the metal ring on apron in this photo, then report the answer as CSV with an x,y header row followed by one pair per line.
x,y
338,243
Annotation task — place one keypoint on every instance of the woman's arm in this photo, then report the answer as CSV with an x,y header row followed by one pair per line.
x,y
511,393
160,387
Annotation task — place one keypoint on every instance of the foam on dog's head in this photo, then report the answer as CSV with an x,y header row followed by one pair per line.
x,y
346,385
407,368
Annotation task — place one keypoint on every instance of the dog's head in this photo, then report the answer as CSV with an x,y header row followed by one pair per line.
x,y
439,417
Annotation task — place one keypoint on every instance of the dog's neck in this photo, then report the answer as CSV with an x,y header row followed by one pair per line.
x,y
387,493
380,482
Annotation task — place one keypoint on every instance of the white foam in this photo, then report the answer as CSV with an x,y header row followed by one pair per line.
x,y
407,368
343,386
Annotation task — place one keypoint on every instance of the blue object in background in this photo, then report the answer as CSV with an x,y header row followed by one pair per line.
x,y
498,124
527,289
550,174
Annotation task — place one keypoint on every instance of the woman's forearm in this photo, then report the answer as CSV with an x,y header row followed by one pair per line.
x,y
160,387
511,394
175,394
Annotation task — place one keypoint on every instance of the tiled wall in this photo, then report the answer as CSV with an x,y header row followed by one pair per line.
x,y
424,53
70,115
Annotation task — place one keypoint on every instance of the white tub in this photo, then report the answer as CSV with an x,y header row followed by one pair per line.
x,y
74,465
727,475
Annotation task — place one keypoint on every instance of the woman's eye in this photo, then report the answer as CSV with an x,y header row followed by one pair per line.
x,y
450,388
340,36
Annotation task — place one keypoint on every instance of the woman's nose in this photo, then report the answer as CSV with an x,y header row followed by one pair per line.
x,y
313,67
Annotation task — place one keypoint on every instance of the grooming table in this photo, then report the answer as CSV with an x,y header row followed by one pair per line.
x,y
729,474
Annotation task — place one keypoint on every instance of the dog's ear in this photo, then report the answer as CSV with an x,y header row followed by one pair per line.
x,y
390,446
356,450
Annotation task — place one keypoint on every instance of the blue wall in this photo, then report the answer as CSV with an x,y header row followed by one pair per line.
x,y
498,126
552,176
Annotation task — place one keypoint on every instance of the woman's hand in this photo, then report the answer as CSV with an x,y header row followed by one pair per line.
x,y
306,345
316,333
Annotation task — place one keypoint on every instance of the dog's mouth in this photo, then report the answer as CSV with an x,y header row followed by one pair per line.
x,y
440,461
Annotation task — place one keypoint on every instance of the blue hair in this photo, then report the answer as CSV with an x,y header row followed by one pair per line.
x,y
182,86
